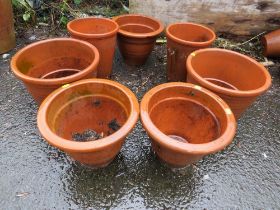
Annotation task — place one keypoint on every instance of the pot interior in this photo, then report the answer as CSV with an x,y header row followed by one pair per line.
x,y
60,73
228,70
190,32
221,83
54,59
93,26
78,114
185,120
137,28
137,24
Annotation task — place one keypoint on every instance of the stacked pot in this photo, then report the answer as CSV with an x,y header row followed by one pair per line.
x,y
89,117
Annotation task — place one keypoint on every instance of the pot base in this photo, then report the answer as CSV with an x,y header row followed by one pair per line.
x,y
178,138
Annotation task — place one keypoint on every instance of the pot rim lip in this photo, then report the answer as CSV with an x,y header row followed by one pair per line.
x,y
226,91
32,80
197,149
140,35
90,146
184,42
90,35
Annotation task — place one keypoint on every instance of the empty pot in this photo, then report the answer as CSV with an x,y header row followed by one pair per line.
x,y
46,65
7,33
102,33
72,117
186,122
271,44
137,36
183,39
236,78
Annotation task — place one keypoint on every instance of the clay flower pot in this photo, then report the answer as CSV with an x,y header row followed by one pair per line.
x,y
7,33
137,36
102,33
271,43
183,39
87,106
46,65
236,78
186,122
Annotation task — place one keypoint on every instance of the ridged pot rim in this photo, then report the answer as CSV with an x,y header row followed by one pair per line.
x,y
226,91
57,81
140,35
191,43
92,35
196,149
73,146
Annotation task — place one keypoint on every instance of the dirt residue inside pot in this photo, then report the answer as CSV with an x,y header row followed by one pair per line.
x,y
87,135
114,125
92,135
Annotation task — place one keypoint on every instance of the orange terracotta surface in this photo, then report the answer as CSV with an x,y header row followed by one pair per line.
x,y
7,33
186,122
236,78
46,65
102,33
183,39
88,104
271,43
137,36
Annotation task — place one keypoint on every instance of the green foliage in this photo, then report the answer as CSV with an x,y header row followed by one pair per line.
x,y
57,13
28,12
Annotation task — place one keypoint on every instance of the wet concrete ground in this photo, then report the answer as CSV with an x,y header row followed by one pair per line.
x,y
34,175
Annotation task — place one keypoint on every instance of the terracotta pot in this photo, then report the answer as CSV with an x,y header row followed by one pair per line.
x,y
102,33
236,78
186,122
271,43
183,39
46,65
89,104
7,33
137,36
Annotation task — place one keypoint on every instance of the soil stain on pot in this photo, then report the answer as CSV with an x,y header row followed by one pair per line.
x,y
114,125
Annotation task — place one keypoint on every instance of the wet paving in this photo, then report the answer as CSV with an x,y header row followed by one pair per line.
x,y
35,175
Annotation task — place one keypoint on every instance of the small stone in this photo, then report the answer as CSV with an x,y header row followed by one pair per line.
x,y
264,155
32,38
5,56
206,177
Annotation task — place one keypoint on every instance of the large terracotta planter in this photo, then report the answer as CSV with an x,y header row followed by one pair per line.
x,y
91,104
271,43
46,65
183,39
7,33
137,36
102,33
186,122
236,78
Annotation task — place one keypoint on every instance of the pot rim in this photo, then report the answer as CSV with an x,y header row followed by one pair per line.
x,y
61,80
140,35
89,35
226,91
184,42
200,149
73,146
